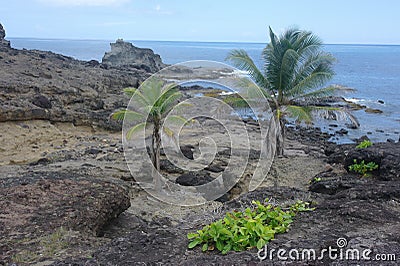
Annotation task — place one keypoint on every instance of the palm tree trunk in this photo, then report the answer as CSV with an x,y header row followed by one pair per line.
x,y
156,149
280,138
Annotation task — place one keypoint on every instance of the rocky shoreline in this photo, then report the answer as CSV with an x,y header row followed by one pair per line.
x,y
67,196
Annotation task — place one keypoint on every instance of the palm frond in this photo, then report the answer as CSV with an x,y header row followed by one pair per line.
x,y
242,60
168,103
151,89
128,115
319,62
236,102
138,100
323,92
313,80
129,91
329,112
287,69
177,120
169,132
299,113
135,129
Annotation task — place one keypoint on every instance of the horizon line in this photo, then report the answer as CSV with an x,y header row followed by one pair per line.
x,y
198,41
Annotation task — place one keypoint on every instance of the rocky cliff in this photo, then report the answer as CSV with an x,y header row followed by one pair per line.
x,y
44,85
125,54
3,43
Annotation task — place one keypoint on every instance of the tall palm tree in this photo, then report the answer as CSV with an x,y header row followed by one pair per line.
x,y
295,68
152,103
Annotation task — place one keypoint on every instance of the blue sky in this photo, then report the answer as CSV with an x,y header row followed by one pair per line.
x,y
335,21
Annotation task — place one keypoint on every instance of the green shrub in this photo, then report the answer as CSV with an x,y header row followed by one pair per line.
x,y
364,144
363,168
243,230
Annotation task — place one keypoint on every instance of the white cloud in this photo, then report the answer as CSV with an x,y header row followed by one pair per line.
x,y
84,2
158,10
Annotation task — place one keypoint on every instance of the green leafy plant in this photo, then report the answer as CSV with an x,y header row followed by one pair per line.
x,y
363,168
364,144
244,230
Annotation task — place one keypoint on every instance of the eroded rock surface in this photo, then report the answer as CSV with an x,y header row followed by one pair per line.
x,y
386,155
366,215
3,42
40,204
124,54
44,85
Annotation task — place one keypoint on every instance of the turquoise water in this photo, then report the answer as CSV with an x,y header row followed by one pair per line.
x,y
373,70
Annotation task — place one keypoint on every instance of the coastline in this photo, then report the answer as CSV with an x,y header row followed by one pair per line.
x,y
74,200
348,73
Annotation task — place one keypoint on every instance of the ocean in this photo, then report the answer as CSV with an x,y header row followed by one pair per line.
x,y
372,70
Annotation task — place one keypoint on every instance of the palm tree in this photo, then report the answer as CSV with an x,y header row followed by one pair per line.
x,y
295,68
152,103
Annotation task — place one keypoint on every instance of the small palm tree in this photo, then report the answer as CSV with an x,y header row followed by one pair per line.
x,y
294,70
152,104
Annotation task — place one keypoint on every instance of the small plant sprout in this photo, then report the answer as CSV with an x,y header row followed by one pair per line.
x,y
364,144
363,168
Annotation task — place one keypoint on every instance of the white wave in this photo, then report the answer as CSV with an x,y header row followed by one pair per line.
x,y
354,100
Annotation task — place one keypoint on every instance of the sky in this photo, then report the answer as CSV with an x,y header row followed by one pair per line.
x,y
335,21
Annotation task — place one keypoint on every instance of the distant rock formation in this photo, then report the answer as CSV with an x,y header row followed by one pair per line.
x,y
3,42
125,54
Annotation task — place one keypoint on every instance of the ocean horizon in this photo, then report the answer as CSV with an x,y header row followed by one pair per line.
x,y
373,70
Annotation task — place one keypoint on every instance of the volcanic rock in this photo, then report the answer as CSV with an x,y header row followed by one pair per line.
x,y
41,203
126,54
3,43
44,85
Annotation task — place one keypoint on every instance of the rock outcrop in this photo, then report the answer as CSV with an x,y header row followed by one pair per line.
x,y
366,215
41,207
44,85
124,54
3,42
386,155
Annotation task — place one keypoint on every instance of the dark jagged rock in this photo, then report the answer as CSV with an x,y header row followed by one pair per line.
x,y
342,132
373,111
38,204
215,168
386,155
44,85
187,151
3,42
356,214
42,101
194,179
126,54
169,167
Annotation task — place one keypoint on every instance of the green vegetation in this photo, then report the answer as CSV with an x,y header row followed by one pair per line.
x,y
152,103
213,93
316,179
243,230
363,168
295,67
364,144
236,101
